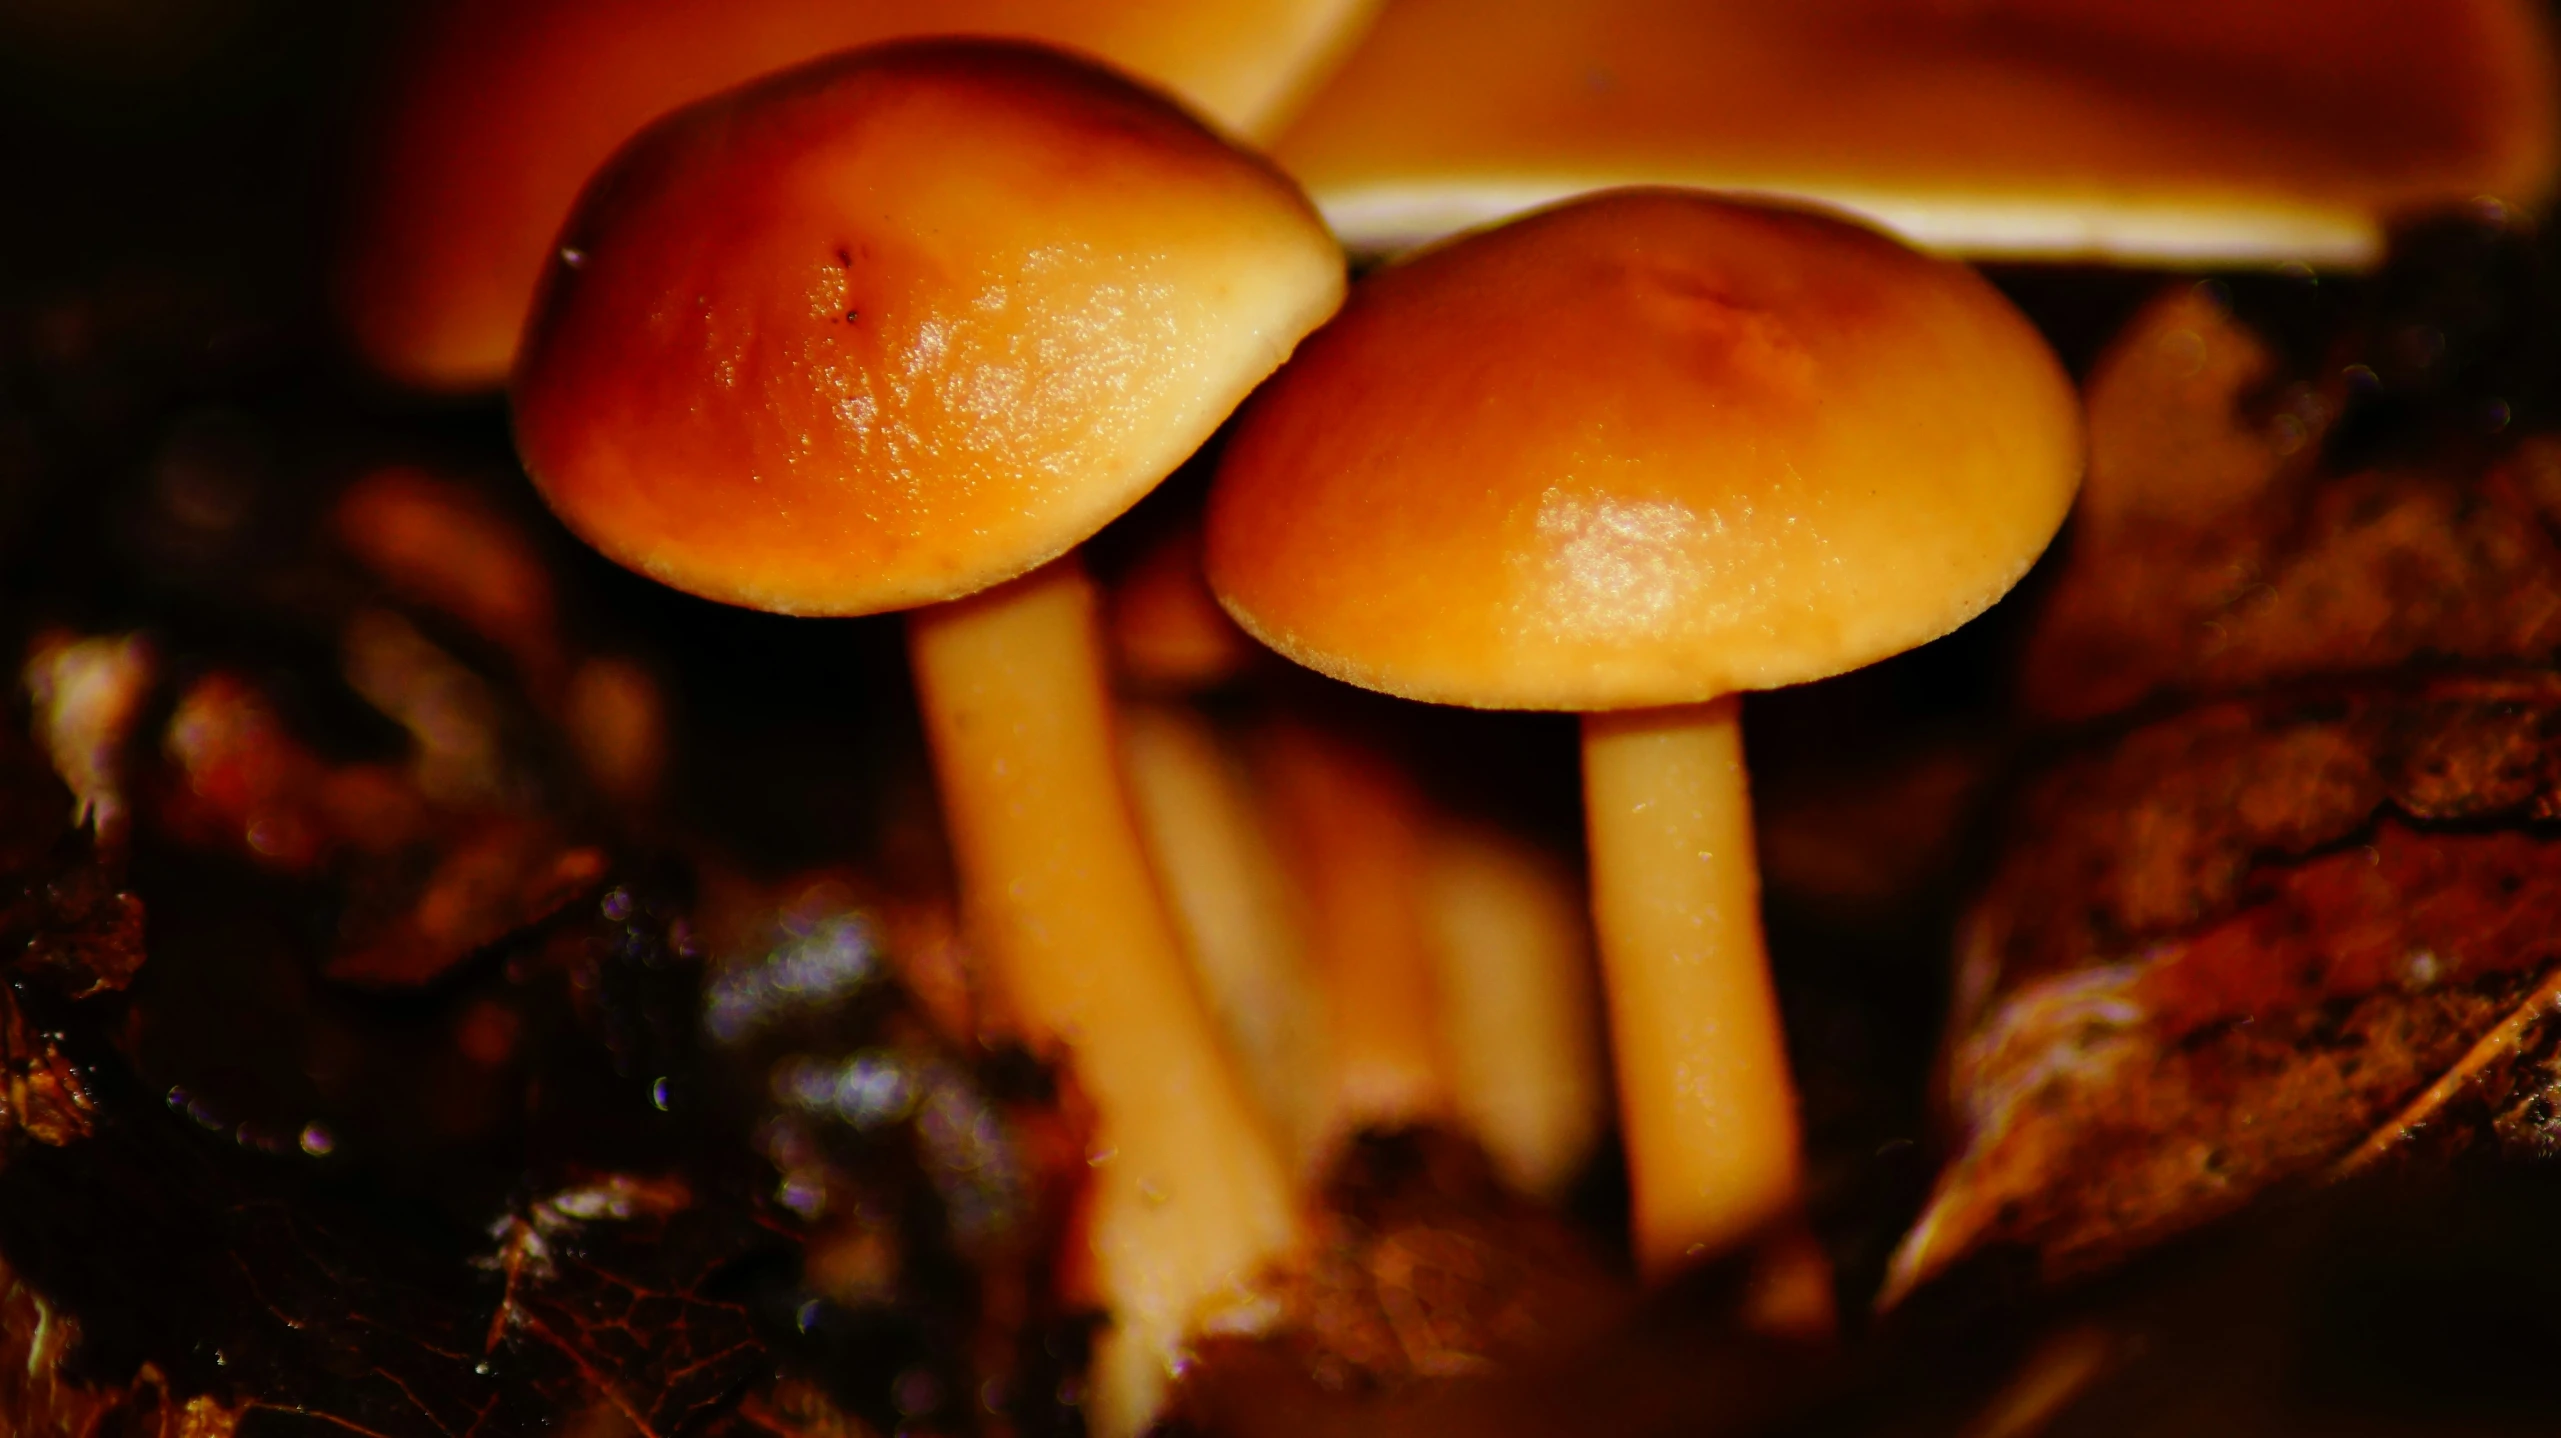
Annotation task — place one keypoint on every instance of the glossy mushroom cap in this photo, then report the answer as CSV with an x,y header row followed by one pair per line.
x,y
1648,448
901,324
503,108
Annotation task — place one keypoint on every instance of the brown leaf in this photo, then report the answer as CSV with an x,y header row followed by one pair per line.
x,y
265,1295
42,1399
2156,831
252,1292
76,931
63,918
1425,1267
197,1285
501,878
43,1095
2293,913
2212,553
614,1277
790,1408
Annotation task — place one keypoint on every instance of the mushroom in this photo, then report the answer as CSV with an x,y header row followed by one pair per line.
x,y
1298,874
1631,457
2185,131
500,109
1385,902
896,330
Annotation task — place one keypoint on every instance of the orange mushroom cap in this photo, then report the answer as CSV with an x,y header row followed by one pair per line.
x,y
503,108
2191,131
1647,448
906,322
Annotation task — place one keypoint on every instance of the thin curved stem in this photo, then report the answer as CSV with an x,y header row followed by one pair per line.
x,y
1190,1204
1227,885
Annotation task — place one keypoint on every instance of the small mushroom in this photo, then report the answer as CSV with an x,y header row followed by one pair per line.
x,y
1326,971
897,330
1630,457
1374,961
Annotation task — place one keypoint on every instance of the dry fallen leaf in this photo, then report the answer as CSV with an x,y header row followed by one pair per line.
x,y
2279,900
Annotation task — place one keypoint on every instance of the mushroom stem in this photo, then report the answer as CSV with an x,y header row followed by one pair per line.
x,y
1206,828
1707,1107
1355,832
1189,1201
1512,940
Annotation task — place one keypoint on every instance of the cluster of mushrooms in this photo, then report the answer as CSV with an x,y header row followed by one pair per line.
x,y
900,327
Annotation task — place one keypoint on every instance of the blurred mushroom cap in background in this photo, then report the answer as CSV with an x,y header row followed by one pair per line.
x,y
504,107
2178,131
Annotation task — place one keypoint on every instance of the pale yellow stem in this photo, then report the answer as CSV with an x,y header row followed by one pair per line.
x,y
1356,841
1190,1203
1223,876
1708,1111
1512,942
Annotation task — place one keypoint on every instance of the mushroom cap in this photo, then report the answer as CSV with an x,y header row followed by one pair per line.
x,y
2191,131
1647,448
501,109
901,324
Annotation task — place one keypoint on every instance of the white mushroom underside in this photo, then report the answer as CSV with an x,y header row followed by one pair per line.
x,y
2185,232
